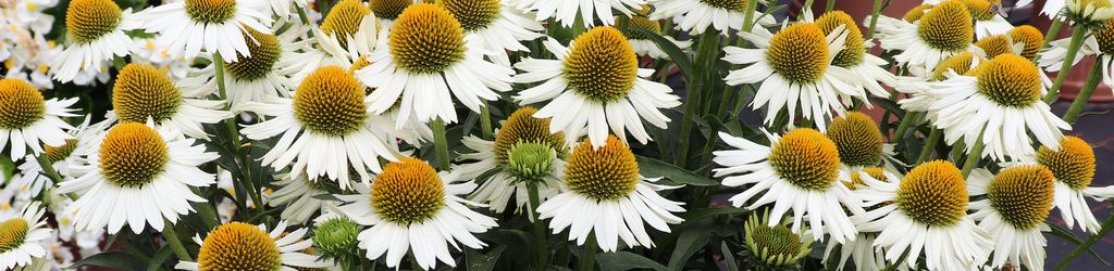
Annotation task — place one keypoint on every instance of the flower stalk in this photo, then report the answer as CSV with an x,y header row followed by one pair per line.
x,y
1081,99
1077,35
440,143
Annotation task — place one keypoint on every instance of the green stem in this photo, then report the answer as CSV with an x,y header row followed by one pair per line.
x,y
709,48
119,62
898,263
1077,34
806,6
171,236
874,11
207,213
48,168
929,145
956,152
132,249
1106,226
974,155
588,255
904,125
1081,99
539,229
485,122
1053,31
234,136
440,143
831,5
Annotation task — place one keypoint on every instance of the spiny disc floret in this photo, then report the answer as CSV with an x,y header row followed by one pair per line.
x,y
933,194
20,104
601,65
88,20
426,39
473,14
133,155
265,51
858,139
1073,164
143,91
1022,195
330,101
806,159
211,11
1010,80
408,191
799,53
605,174
239,246
946,27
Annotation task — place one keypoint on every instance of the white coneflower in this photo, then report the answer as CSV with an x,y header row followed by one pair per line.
x,y
696,15
924,214
426,63
1073,166
860,143
66,159
943,31
242,246
96,32
413,208
861,250
326,129
794,69
298,194
523,153
1099,44
988,18
21,237
348,36
854,57
265,72
144,92
1018,200
213,25
606,199
999,104
798,172
500,25
29,121
387,11
583,11
642,44
593,85
139,176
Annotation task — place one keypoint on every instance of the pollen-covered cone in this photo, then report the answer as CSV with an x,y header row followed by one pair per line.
x,y
242,246
28,121
1018,200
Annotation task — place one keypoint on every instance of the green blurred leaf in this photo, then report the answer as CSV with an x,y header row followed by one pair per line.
x,y
478,261
698,214
728,258
623,260
159,258
678,56
688,243
112,259
653,168
1067,235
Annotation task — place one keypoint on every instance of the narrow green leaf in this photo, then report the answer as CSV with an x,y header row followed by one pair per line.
x,y
623,260
1067,235
478,261
678,56
113,260
653,168
728,257
159,258
688,243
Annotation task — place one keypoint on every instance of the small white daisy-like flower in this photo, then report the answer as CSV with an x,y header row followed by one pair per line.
x,y
66,159
144,92
643,45
28,121
593,85
1073,166
22,237
1017,202
606,198
96,31
298,194
500,25
798,172
263,73
861,144
695,16
999,104
583,11
523,153
213,25
924,214
326,129
943,31
242,246
413,208
854,57
139,176
773,243
793,68
426,62
988,18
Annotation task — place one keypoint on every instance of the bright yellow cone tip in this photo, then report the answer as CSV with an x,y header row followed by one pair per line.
x,y
143,91
775,246
265,51
133,155
88,20
601,65
522,127
606,174
1009,80
947,27
426,39
1030,36
389,9
344,19
730,5
857,177
20,104
933,194
239,246
211,11
408,191
853,48
59,153
799,53
12,233
858,139
1022,195
473,14
330,101
916,13
1073,164
959,63
806,158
